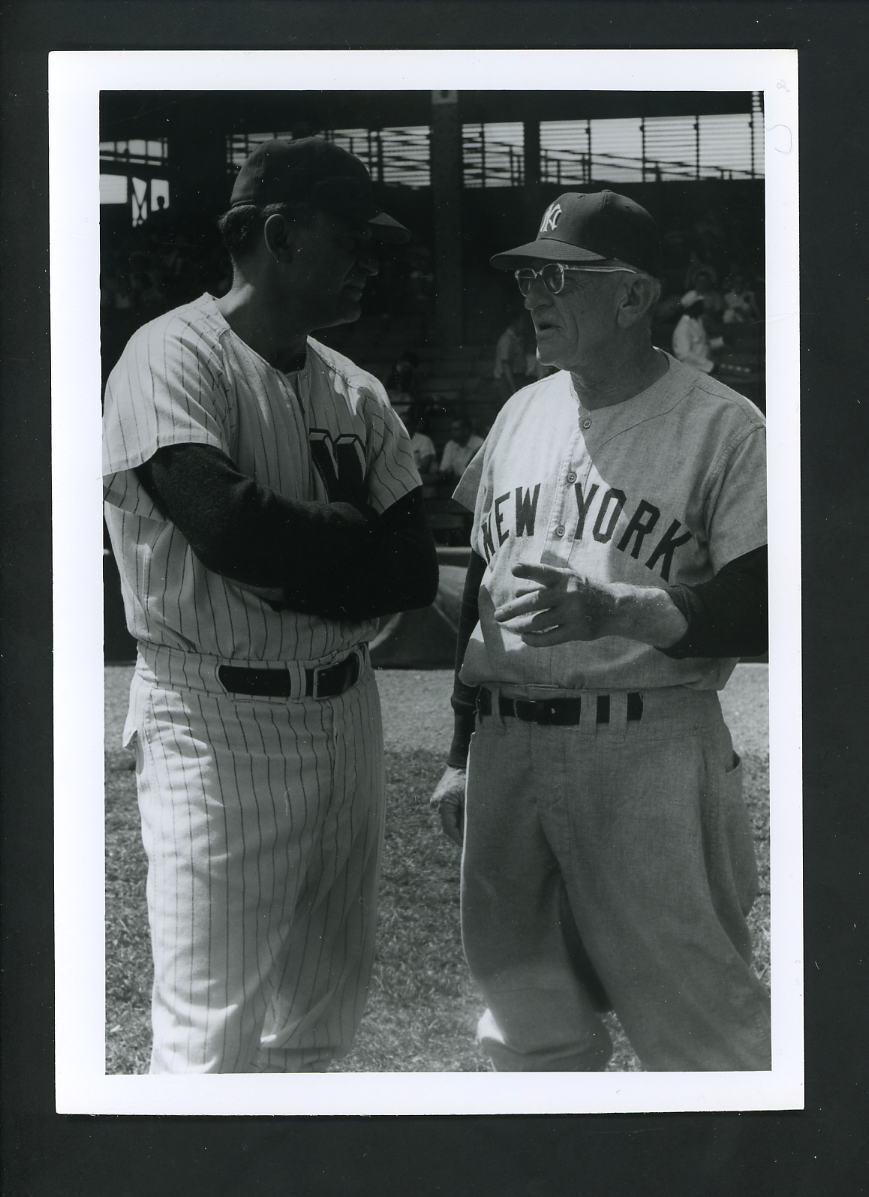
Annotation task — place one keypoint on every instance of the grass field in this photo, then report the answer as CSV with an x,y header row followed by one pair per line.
x,y
422,1008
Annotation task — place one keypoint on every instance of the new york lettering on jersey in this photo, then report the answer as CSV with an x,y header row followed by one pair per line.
x,y
621,498
614,489
600,511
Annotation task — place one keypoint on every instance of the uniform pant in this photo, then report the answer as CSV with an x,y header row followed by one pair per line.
x,y
626,845
262,822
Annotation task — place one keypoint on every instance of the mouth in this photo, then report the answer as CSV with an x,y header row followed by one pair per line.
x,y
542,327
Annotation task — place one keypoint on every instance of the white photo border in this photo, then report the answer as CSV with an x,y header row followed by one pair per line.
x,y
76,79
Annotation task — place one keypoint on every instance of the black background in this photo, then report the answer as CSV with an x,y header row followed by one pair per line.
x,y
819,1151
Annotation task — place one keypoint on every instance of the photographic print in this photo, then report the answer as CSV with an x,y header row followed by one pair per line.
x,y
429,348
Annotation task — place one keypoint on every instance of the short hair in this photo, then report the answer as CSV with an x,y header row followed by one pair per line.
x,y
241,226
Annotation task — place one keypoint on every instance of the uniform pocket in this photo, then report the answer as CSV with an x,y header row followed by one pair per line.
x,y
140,698
739,836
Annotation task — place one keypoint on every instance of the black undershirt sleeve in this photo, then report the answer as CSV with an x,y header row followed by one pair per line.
x,y
337,559
464,697
727,616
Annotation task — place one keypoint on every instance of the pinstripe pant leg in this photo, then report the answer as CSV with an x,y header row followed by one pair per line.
x,y
322,987
262,822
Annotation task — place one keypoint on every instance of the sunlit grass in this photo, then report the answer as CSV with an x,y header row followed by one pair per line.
x,y
422,1008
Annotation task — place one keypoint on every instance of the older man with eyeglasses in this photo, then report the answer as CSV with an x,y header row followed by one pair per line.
x,y
618,572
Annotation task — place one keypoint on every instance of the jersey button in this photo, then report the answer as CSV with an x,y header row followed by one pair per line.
x,y
559,531
571,477
586,423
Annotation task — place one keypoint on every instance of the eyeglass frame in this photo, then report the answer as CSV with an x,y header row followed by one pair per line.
x,y
563,267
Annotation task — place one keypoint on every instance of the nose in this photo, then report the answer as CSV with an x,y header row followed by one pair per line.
x,y
538,296
537,290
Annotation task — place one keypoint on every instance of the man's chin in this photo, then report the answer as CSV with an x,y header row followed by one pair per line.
x,y
549,341
551,358
349,314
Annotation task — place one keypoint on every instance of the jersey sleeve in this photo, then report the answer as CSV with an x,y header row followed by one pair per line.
x,y
736,511
470,482
165,390
391,471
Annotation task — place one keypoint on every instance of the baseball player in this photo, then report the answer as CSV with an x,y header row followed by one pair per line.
x,y
265,510
618,570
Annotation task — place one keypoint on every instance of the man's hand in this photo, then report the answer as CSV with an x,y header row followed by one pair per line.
x,y
448,800
562,606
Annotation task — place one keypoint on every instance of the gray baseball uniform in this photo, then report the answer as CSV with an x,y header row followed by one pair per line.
x,y
261,802
620,817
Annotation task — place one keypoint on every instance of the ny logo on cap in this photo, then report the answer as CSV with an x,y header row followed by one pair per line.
x,y
551,217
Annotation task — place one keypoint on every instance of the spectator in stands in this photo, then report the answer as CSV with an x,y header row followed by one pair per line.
x,y
706,285
709,233
459,450
424,452
510,365
402,377
740,302
124,295
159,223
691,342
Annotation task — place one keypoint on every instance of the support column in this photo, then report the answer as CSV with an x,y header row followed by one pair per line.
x,y
197,162
446,189
531,144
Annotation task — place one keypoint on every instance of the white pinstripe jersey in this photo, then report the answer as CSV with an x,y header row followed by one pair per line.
x,y
664,488
187,378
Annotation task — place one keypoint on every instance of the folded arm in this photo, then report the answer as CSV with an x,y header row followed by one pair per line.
x,y
336,559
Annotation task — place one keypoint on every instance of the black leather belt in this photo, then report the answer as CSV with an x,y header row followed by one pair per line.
x,y
326,682
555,712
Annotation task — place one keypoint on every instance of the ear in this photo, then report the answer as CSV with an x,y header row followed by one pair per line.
x,y
278,237
637,299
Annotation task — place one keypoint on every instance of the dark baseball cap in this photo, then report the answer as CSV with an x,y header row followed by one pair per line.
x,y
597,226
312,170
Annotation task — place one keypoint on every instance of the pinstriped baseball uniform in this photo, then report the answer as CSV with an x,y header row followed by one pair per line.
x,y
632,818
261,816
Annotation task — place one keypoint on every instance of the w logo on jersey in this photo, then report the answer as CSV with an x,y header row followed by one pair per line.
x,y
340,462
550,220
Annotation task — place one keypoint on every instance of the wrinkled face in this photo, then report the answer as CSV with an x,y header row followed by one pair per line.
x,y
332,261
575,325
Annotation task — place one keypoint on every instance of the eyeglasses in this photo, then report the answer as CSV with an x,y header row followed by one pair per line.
x,y
552,275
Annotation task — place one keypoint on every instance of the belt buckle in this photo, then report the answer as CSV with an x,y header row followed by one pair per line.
x,y
530,711
319,676
348,668
315,680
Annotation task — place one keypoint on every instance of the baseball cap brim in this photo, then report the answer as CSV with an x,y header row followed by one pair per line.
x,y
354,200
387,229
546,249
